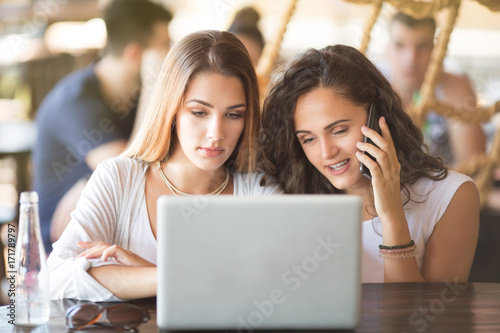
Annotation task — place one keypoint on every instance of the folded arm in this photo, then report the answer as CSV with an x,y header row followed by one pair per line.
x,y
126,282
96,218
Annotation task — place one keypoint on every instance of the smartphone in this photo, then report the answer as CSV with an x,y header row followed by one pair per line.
x,y
372,122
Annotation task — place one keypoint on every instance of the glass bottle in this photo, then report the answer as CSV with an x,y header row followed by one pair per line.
x,y
32,289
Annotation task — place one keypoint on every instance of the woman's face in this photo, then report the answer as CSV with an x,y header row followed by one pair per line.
x,y
210,120
328,126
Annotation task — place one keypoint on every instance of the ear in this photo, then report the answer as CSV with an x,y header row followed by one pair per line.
x,y
133,52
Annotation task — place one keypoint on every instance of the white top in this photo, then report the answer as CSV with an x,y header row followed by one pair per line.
x,y
112,208
430,199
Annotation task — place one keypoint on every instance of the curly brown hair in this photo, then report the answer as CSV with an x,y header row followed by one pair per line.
x,y
350,74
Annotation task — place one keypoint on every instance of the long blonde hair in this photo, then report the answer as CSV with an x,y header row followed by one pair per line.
x,y
204,52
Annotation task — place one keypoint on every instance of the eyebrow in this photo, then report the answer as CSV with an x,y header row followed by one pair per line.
x,y
326,128
208,105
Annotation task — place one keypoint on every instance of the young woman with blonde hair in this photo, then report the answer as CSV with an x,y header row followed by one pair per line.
x,y
198,138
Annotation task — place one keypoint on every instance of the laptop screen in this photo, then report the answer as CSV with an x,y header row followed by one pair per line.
x,y
245,263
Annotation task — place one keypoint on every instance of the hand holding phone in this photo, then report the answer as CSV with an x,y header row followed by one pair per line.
x,y
372,122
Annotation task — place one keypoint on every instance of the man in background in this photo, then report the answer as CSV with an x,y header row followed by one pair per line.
x,y
409,55
89,115
245,27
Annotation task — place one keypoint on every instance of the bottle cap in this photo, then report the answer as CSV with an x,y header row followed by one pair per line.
x,y
29,197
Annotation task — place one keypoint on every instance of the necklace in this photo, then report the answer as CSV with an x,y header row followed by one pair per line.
x,y
176,191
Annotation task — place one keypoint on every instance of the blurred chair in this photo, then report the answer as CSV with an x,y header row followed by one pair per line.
x,y
42,74
486,265
18,131
16,140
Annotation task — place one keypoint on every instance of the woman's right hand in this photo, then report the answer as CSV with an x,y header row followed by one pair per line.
x,y
104,251
385,173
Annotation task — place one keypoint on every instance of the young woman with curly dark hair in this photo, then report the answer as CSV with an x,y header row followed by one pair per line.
x,y
424,217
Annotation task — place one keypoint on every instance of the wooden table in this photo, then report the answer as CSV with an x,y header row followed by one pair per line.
x,y
387,308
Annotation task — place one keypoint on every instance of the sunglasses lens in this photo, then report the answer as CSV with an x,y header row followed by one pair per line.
x,y
82,315
127,316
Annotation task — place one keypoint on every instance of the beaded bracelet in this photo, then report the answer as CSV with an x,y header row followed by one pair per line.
x,y
383,247
396,252
409,254
406,249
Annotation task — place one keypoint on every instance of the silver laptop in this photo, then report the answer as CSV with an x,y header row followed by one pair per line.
x,y
249,263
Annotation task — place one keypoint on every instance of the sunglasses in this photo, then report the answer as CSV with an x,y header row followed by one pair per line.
x,y
124,317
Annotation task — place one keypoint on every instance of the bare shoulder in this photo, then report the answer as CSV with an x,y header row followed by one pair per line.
x,y
449,251
464,204
467,193
456,86
450,79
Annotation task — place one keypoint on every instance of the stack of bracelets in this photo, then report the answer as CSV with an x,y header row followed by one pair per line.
x,y
398,251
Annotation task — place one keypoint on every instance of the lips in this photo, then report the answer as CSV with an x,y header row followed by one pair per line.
x,y
338,168
211,151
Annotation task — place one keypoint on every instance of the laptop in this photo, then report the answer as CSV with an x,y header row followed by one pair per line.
x,y
250,263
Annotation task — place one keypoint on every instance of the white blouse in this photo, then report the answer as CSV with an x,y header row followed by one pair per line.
x,y
112,208
430,199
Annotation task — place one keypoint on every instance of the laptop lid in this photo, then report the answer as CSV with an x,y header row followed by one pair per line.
x,y
246,263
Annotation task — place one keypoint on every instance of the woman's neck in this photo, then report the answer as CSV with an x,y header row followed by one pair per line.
x,y
365,191
190,179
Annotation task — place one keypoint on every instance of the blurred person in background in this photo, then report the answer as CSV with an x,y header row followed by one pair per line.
x,y
409,54
244,26
89,115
